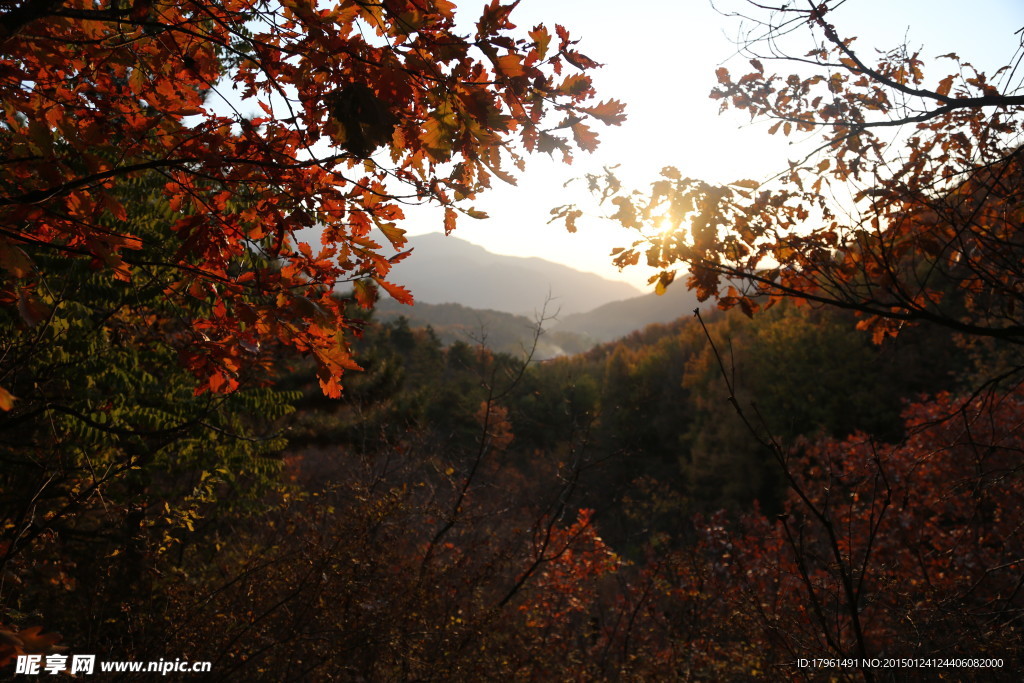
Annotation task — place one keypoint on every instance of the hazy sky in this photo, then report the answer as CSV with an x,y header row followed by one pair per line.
x,y
660,58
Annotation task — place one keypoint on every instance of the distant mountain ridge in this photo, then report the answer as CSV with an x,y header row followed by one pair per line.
x,y
618,318
499,331
445,270
467,293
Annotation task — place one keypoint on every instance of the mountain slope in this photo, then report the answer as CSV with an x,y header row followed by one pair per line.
x,y
499,331
619,318
450,270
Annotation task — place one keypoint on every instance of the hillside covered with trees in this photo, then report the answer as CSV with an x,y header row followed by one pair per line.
x,y
214,451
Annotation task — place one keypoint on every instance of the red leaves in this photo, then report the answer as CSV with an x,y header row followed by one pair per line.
x,y
578,60
573,559
107,107
495,18
892,534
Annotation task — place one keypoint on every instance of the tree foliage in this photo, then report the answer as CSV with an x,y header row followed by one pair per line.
x,y
259,119
159,160
709,499
907,208
885,550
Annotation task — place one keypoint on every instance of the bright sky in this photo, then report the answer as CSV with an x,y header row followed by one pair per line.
x,y
660,58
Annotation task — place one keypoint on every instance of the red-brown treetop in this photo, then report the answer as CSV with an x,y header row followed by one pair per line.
x,y
256,120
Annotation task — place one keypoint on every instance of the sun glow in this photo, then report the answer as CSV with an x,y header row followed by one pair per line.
x,y
669,231
665,228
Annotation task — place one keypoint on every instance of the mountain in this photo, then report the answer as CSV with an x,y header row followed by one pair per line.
x,y
465,292
498,330
514,333
619,318
450,270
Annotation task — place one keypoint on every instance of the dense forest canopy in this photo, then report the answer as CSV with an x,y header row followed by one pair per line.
x,y
828,467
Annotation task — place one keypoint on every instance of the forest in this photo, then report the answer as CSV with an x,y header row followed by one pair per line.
x,y
215,452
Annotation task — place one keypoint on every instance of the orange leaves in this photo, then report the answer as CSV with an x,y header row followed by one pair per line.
x,y
541,39
28,641
510,66
493,418
137,82
333,361
110,107
449,220
748,184
569,214
945,85
394,234
438,132
849,64
396,292
585,138
222,383
7,400
365,292
611,112
445,7
575,85
866,247
574,559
